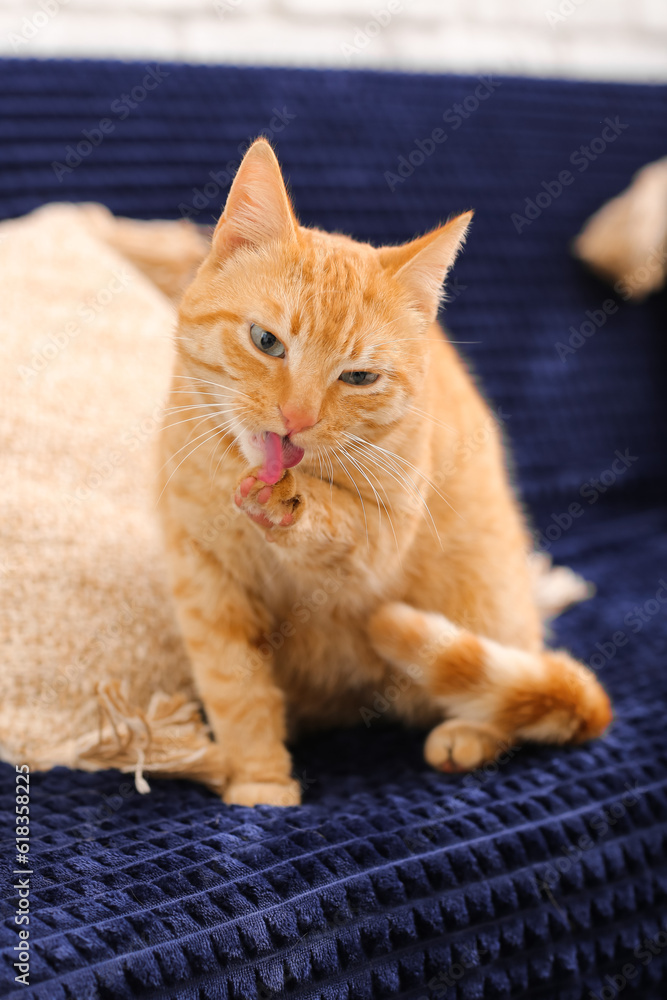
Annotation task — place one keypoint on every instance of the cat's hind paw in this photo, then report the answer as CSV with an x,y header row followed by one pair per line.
x,y
456,745
556,587
267,793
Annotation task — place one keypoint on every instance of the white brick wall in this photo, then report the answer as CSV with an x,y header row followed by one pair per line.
x,y
594,39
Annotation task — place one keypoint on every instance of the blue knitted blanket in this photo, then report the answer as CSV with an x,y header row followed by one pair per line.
x,y
541,877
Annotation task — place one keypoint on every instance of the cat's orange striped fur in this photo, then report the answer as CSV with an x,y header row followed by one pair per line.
x,y
338,546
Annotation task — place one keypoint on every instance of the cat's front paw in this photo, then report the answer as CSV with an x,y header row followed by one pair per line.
x,y
277,506
266,793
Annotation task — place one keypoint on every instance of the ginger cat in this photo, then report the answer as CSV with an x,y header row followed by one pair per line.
x,y
339,524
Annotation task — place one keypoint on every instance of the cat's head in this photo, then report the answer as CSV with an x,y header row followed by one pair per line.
x,y
305,338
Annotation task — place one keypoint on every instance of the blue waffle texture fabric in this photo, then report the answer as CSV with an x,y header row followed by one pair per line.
x,y
543,878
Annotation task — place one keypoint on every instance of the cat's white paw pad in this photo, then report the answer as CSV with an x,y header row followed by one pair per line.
x,y
557,587
268,793
462,746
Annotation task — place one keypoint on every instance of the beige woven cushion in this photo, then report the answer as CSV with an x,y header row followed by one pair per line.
x,y
93,672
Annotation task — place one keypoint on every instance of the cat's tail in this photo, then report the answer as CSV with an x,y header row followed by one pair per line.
x,y
546,696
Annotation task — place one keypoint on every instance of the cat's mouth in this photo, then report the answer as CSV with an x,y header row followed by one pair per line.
x,y
279,454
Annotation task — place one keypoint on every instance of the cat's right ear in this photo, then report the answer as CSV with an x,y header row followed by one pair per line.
x,y
422,265
258,210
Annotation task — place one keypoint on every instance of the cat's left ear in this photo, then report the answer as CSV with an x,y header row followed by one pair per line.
x,y
422,265
258,210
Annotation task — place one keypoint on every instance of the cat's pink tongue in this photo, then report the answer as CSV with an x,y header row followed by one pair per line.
x,y
279,454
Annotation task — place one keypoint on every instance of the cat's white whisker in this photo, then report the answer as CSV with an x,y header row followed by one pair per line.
x,y
194,390
375,493
219,429
222,458
213,410
396,340
207,435
217,385
186,406
232,429
319,458
354,483
428,416
361,452
330,471
186,420
213,401
388,465
412,489
360,465
404,340
414,468
395,473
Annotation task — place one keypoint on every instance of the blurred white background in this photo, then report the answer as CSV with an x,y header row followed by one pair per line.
x,y
585,39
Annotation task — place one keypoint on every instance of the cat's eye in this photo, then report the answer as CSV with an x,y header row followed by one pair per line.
x,y
359,378
266,342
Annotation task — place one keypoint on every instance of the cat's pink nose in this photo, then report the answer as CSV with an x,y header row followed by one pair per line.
x,y
297,418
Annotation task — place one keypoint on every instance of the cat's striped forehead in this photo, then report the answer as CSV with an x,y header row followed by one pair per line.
x,y
335,289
